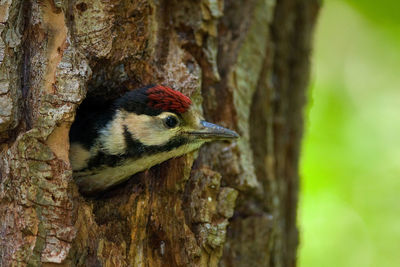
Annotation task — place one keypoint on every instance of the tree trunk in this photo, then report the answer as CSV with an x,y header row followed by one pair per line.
x,y
245,65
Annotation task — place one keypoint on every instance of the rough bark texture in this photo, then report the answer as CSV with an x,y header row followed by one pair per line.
x,y
245,64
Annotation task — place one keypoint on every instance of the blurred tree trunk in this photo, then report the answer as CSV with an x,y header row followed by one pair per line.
x,y
246,66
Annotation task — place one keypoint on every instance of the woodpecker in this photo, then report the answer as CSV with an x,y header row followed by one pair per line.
x,y
144,127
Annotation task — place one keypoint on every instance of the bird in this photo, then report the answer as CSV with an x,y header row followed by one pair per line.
x,y
110,142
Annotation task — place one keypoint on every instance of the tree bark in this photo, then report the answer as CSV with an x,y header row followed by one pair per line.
x,y
244,64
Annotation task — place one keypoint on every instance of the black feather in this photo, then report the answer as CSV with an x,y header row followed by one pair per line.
x,y
136,101
92,115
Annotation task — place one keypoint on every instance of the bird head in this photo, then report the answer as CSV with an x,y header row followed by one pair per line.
x,y
158,119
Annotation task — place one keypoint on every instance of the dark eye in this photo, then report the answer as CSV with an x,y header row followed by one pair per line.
x,y
171,121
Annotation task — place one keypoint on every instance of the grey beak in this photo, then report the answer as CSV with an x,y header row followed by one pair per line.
x,y
214,132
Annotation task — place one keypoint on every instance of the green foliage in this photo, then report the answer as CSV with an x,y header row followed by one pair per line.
x,y
350,205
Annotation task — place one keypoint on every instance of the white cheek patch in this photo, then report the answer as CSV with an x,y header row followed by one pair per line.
x,y
149,130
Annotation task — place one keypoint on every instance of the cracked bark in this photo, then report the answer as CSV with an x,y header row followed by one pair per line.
x,y
245,64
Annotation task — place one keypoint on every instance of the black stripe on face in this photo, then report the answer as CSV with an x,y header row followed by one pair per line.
x,y
136,149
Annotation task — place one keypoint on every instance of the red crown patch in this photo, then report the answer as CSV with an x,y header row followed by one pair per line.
x,y
166,99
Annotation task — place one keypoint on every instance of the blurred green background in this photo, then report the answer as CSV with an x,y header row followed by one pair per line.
x,y
349,211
